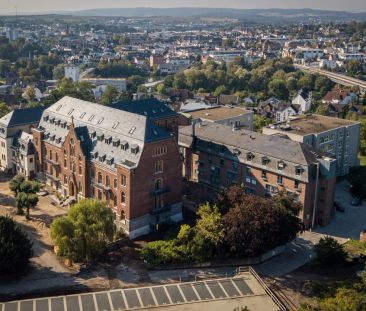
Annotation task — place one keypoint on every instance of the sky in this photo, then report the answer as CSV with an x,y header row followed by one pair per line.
x,y
26,6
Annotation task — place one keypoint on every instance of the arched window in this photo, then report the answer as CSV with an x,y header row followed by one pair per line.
x,y
100,178
80,187
123,197
107,181
114,200
123,216
158,184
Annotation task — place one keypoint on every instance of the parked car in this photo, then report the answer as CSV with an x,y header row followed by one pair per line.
x,y
356,201
339,207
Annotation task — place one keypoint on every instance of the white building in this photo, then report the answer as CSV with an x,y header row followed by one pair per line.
x,y
73,73
119,83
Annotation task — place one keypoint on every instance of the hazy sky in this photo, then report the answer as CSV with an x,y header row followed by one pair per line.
x,y
8,6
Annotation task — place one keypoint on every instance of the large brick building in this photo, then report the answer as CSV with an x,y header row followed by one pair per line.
x,y
216,155
89,150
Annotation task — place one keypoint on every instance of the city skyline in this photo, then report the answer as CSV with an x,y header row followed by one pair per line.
x,y
23,6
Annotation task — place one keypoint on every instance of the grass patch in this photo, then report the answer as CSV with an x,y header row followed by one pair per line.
x,y
355,248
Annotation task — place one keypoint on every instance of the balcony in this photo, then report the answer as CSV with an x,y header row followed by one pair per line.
x,y
101,186
52,162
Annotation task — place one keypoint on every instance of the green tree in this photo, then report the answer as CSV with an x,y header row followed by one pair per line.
x,y
85,231
30,93
110,95
260,122
208,232
4,109
278,89
354,68
221,89
15,247
15,183
329,252
322,110
26,195
59,72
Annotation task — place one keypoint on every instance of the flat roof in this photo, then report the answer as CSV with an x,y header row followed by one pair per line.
x,y
244,289
313,124
218,113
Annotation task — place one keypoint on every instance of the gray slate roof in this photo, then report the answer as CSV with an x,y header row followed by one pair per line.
x,y
248,141
92,121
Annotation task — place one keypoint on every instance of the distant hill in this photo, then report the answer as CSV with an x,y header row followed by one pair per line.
x,y
291,14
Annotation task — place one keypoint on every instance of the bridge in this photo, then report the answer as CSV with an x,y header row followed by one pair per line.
x,y
335,77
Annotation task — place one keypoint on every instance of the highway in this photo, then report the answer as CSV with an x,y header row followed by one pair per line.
x,y
336,77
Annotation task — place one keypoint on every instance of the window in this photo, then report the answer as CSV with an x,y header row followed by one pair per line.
x,y
132,130
115,125
100,120
297,184
65,163
51,155
107,181
281,165
115,183
91,118
65,179
123,180
114,200
100,178
99,194
250,156
264,175
158,151
158,184
31,160
71,111
123,197
248,170
80,169
235,166
222,162
298,171
159,166
82,115
123,216
279,180
265,161
80,187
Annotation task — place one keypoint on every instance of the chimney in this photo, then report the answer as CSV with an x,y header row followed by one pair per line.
x,y
193,129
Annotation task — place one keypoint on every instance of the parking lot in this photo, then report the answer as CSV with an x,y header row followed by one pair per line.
x,y
153,296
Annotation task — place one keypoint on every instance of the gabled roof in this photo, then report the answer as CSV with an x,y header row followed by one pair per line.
x,y
151,108
22,116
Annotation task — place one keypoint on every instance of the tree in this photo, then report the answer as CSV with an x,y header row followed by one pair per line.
x,y
59,72
85,231
255,225
354,68
322,109
109,95
260,122
15,183
4,109
30,94
329,252
278,89
221,89
134,81
208,232
15,247
26,196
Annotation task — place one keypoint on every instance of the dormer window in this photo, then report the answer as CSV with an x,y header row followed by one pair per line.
x,y
124,145
63,124
265,161
134,149
116,143
100,120
298,170
100,137
95,155
102,158
52,120
110,161
71,111
108,140
236,151
82,115
93,134
45,118
91,118
281,165
250,156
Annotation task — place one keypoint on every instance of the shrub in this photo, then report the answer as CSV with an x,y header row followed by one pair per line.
x,y
329,252
15,247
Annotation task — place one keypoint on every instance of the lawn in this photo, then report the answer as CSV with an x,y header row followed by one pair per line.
x,y
355,248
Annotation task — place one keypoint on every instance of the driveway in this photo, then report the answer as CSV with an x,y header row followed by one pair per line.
x,y
346,225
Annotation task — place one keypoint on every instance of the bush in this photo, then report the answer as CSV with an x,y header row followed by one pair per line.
x,y
15,247
329,252
159,253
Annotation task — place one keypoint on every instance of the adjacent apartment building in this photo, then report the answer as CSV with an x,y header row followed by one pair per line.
x,y
11,127
338,137
219,156
89,150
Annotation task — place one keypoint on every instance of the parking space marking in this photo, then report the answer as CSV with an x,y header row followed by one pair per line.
x,y
110,300
181,292
153,296
80,305
125,299
95,302
209,290
139,297
236,287
195,291
223,289
169,298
